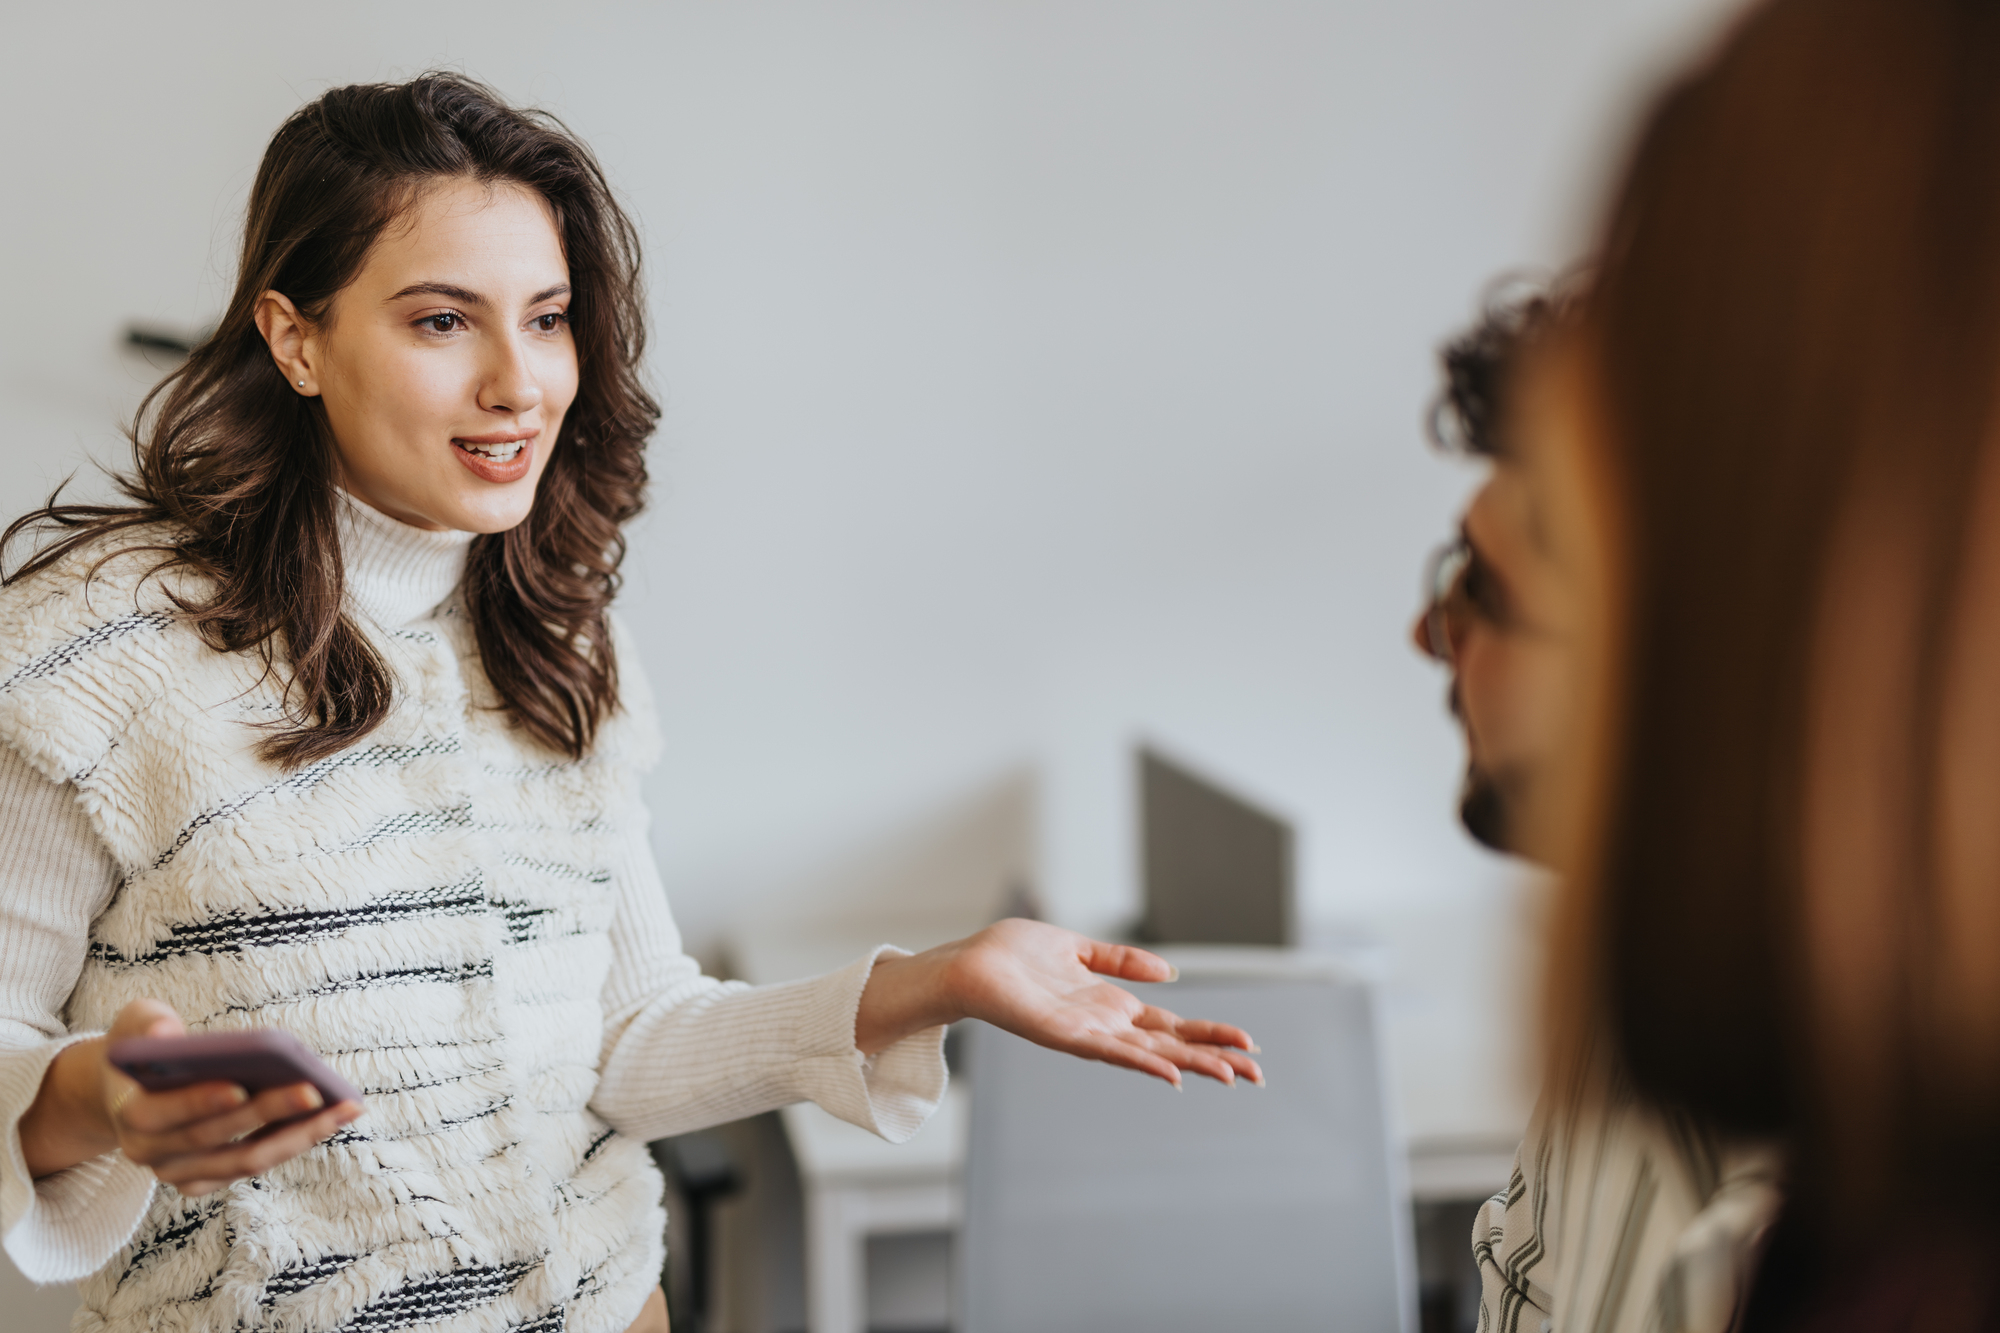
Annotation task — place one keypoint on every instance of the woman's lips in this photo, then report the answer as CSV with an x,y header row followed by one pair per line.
x,y
485,454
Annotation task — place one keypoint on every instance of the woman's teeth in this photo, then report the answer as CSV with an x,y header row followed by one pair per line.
x,y
499,453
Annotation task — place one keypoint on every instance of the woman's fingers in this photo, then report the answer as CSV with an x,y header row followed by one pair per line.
x,y
204,1172
1037,981
1126,962
1220,1063
229,1123
146,1018
1155,1050
1199,1031
1166,1059
1206,1061
150,1114
1172,1038
1244,1066
1117,1021
202,1137
1126,1054
1194,1031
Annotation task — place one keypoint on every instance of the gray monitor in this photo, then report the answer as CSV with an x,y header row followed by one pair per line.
x,y
1216,869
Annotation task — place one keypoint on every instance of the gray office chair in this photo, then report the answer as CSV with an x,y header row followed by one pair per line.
x,y
1097,1200
27,1308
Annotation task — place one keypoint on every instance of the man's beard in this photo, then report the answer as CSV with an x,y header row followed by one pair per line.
x,y
1485,799
1485,806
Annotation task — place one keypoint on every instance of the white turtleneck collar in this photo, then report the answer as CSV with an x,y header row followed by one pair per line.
x,y
397,573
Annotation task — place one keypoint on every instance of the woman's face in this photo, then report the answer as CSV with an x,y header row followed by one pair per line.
x,y
446,365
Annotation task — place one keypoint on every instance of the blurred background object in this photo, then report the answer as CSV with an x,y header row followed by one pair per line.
x,y
1094,1203
1039,377
1214,869
699,1169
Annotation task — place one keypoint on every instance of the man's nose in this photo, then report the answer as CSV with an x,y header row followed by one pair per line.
x,y
1439,636
1420,635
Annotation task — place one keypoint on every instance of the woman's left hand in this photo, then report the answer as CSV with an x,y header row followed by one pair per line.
x,y
1044,983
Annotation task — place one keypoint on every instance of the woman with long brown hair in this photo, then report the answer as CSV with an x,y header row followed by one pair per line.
x,y
1779,934
329,728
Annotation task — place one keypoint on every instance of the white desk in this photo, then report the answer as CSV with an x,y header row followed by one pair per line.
x,y
1461,1120
857,1186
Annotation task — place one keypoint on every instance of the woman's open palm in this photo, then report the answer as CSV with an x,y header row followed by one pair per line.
x,y
1048,985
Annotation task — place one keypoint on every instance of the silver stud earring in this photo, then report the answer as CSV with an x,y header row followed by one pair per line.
x,y
302,384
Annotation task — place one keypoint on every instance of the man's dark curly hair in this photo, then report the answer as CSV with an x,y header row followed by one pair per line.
x,y
1479,364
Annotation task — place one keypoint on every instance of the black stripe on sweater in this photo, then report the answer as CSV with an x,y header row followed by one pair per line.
x,y
233,932
66,655
433,1300
291,1281
177,1235
444,975
372,756
408,824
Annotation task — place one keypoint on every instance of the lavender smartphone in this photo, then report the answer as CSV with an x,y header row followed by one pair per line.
x,y
257,1060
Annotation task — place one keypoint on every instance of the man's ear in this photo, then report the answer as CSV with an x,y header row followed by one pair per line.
x,y
290,339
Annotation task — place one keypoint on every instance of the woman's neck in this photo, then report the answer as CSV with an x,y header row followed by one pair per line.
x,y
397,574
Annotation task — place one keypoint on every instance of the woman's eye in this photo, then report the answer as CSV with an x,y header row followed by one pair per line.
x,y
550,323
444,323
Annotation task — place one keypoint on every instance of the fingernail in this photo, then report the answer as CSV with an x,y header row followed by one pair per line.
x,y
309,1098
1254,1049
231,1096
1173,973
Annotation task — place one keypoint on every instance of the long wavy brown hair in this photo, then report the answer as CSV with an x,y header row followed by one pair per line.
x,y
241,473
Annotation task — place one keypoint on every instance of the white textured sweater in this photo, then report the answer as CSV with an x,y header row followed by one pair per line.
x,y
470,928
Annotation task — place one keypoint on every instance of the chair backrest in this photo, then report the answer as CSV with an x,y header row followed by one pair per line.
x,y
1098,1200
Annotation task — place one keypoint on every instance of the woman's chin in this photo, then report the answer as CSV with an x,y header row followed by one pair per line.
x,y
495,509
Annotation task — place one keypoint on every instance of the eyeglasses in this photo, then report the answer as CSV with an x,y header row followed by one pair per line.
x,y
1461,589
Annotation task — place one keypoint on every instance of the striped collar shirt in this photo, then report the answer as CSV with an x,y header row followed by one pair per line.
x,y
1622,1219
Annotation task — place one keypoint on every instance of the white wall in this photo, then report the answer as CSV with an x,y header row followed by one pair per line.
x,y
1038,374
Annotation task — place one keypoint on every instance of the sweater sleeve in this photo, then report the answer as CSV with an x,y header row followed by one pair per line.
x,y
55,877
684,1051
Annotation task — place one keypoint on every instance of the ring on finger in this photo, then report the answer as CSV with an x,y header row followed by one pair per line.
x,y
118,1103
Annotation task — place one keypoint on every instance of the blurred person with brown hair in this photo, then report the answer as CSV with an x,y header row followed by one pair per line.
x,y
1769,458
1620,1211
1504,615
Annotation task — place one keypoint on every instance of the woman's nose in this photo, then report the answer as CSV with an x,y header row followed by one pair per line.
x,y
510,385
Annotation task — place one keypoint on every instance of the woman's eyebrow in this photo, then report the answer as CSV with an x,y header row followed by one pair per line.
x,y
464,296
459,294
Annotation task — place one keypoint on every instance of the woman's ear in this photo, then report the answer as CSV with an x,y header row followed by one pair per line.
x,y
290,339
